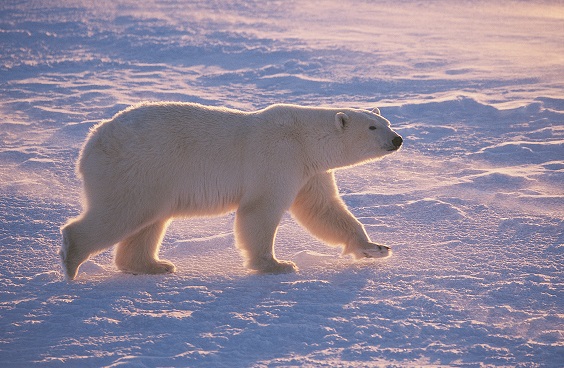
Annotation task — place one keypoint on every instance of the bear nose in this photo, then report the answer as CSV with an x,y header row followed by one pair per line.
x,y
397,141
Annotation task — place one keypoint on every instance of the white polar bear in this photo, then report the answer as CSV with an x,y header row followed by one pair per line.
x,y
156,161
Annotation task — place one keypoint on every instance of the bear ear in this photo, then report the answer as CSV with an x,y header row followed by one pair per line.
x,y
376,111
341,120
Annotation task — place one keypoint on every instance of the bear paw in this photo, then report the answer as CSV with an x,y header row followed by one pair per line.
x,y
71,257
275,267
368,250
69,265
153,268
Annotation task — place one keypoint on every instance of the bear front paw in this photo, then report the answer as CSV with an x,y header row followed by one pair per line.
x,y
275,267
164,266
368,250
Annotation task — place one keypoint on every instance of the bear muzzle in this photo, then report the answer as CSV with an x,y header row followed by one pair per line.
x,y
397,142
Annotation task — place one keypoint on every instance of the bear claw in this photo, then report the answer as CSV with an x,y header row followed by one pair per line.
x,y
368,250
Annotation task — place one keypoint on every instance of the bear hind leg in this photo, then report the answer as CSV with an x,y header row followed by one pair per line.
x,y
82,238
71,255
138,253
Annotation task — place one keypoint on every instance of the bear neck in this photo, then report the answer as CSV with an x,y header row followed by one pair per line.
x,y
322,145
322,141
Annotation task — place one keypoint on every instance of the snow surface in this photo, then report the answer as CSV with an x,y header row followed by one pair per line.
x,y
473,205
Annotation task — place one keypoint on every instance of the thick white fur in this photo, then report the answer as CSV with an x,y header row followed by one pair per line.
x,y
156,161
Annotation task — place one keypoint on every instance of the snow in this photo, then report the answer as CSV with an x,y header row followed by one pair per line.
x,y
472,206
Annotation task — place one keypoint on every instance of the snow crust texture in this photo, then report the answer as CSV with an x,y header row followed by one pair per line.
x,y
472,206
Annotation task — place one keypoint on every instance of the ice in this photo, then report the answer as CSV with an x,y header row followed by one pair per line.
x,y
472,206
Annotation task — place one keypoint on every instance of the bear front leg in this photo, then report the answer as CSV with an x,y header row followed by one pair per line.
x,y
320,210
255,230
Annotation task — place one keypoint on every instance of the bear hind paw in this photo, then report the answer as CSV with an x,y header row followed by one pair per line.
x,y
154,268
70,268
71,258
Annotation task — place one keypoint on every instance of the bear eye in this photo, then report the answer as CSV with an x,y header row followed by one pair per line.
x,y
372,127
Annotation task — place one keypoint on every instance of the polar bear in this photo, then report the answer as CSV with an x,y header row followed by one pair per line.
x,y
156,161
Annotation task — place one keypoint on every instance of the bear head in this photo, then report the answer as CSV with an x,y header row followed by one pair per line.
x,y
366,134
